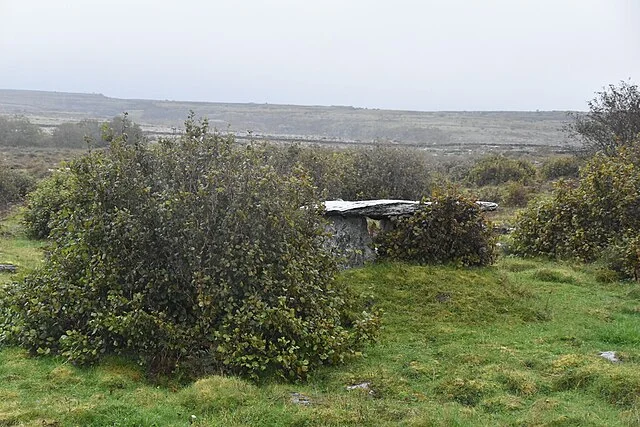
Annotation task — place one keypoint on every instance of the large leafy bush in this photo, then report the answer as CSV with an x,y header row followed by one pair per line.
x,y
192,254
580,221
449,229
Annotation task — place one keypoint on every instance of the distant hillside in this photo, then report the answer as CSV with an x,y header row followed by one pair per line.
x,y
313,123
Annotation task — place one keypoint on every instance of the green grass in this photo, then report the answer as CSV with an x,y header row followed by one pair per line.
x,y
514,344
16,248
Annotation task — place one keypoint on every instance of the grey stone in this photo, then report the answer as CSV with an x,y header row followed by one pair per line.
x,y
300,399
10,268
610,356
350,240
366,386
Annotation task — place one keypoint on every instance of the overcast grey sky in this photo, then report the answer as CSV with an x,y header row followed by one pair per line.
x,y
400,54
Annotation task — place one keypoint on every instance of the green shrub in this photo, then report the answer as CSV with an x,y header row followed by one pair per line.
x,y
18,131
189,255
489,193
516,195
46,201
328,168
362,173
498,169
451,228
581,221
77,135
384,172
14,185
510,194
622,257
560,167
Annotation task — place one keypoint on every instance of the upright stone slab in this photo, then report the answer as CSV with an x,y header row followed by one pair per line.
x,y
350,240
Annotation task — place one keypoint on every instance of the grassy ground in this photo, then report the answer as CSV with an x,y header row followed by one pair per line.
x,y
16,248
515,344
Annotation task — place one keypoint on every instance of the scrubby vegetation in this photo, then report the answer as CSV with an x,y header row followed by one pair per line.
x,y
20,132
379,172
189,255
600,213
14,185
498,169
448,229
560,167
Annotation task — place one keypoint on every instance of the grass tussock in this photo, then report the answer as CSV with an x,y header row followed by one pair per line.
x,y
554,276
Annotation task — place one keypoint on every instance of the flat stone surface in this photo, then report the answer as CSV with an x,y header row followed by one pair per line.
x,y
383,208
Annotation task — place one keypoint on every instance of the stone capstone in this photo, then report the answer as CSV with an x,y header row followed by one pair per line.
x,y
383,209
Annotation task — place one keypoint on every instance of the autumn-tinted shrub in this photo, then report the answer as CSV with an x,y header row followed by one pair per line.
x,y
449,228
579,221
190,254
498,169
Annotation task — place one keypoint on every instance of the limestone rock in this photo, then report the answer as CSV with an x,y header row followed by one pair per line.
x,y
10,268
350,240
383,208
610,356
